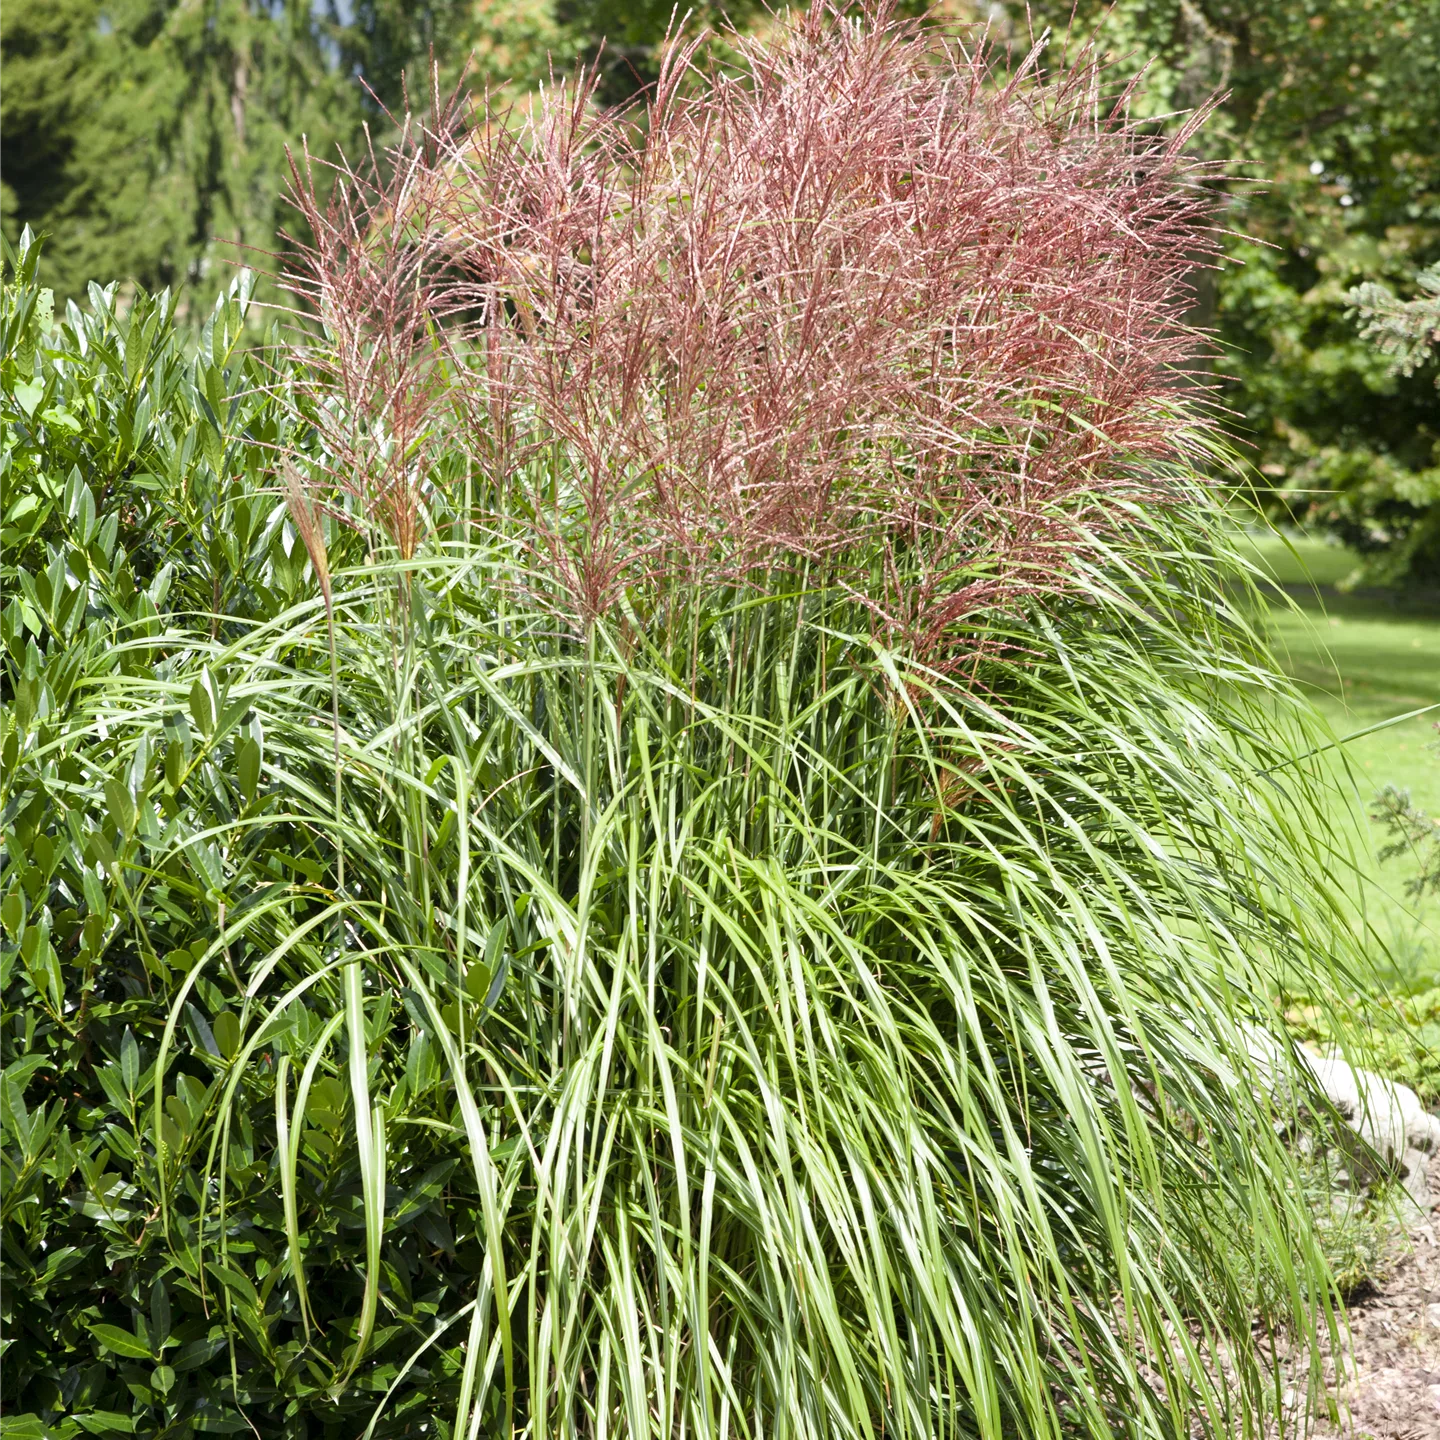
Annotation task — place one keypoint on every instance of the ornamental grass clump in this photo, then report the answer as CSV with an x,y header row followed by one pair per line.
x,y
817,830
863,303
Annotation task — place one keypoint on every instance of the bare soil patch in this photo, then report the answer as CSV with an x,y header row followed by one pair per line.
x,y
1390,1387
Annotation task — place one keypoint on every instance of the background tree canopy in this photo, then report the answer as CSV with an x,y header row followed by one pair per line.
x,y
136,132
1334,105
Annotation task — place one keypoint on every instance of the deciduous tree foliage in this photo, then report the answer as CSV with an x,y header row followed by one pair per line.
x,y
1333,110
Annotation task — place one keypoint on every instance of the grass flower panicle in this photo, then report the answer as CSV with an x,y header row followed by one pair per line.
x,y
862,301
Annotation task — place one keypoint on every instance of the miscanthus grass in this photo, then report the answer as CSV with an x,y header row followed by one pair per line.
x,y
817,831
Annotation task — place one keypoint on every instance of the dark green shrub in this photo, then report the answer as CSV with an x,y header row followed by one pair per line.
x,y
139,508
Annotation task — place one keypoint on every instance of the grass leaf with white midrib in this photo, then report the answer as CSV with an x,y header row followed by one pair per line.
x,y
917,1109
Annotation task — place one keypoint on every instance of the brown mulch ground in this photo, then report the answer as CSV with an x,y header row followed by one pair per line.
x,y
1392,1389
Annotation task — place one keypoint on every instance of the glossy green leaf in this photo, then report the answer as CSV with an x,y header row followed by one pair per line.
x,y
247,768
121,805
122,1342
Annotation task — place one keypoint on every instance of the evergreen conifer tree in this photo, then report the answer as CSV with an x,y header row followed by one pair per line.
x,y
147,137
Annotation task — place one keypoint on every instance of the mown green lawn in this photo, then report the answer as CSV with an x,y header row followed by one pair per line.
x,y
1364,659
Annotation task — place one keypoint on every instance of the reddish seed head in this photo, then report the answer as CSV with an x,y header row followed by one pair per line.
x,y
865,304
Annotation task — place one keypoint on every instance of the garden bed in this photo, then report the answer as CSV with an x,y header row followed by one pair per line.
x,y
1393,1386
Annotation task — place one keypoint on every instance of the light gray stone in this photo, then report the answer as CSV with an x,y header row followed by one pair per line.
x,y
1422,1129
1369,1105
1385,1117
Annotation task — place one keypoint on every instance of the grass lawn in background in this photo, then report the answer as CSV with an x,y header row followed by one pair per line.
x,y
1364,659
